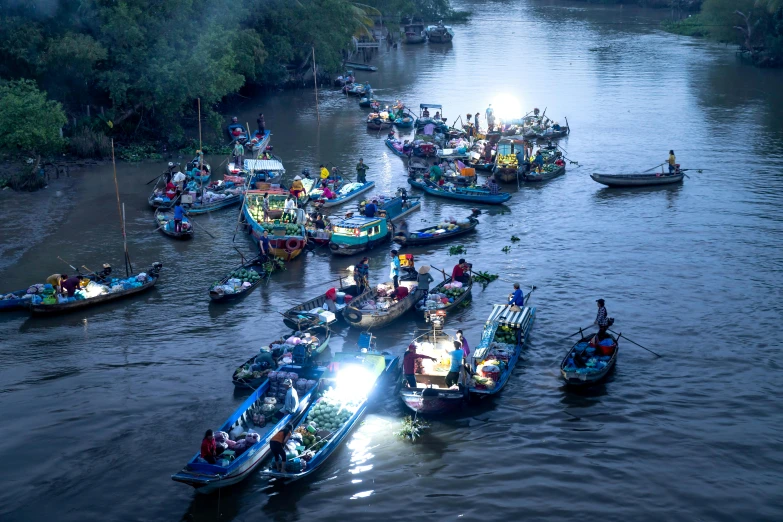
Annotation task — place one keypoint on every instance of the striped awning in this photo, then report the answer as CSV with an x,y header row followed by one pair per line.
x,y
254,165
502,314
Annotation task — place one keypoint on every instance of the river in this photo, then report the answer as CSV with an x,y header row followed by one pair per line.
x,y
99,408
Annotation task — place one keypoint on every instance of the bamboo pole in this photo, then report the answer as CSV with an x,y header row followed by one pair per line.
x,y
315,85
121,212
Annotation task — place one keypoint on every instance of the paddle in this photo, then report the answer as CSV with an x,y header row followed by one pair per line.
x,y
532,289
637,344
200,226
441,271
69,264
580,332
655,167
155,178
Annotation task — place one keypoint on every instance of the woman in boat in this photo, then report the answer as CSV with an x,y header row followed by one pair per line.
x,y
296,187
328,194
672,161
209,448
394,268
171,190
424,279
361,274
277,446
465,347
602,320
409,365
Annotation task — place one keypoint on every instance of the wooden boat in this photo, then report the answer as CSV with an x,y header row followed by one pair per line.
x,y
301,316
440,33
374,368
396,208
14,303
358,234
393,143
252,382
638,180
424,149
361,66
503,324
439,288
475,195
164,220
207,477
368,100
286,240
378,318
423,237
220,295
377,121
550,171
345,79
153,274
506,168
404,122
211,206
259,141
422,120
355,89
452,154
415,33
242,138
574,369
267,172
343,196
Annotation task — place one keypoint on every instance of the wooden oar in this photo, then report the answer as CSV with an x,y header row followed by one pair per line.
x,y
655,167
637,344
201,226
155,178
578,333
69,264
533,289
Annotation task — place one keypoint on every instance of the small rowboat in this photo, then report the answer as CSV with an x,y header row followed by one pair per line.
x,y
550,171
361,66
415,238
578,373
14,303
637,180
406,122
207,477
375,122
241,138
474,195
221,295
300,316
229,201
253,383
378,318
165,222
421,307
153,274
392,146
356,189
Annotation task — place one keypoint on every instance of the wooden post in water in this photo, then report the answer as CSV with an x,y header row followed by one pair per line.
x,y
121,212
315,84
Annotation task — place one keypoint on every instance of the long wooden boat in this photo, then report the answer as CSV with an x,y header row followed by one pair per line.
x,y
574,367
253,383
375,122
637,180
396,208
405,122
220,295
361,66
286,240
415,33
357,234
463,194
391,144
550,171
342,197
153,274
242,138
439,288
229,201
164,220
301,315
440,33
15,303
504,324
378,318
422,236
371,365
207,477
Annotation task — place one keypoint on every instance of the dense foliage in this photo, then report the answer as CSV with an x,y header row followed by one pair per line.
x,y
133,69
756,26
29,122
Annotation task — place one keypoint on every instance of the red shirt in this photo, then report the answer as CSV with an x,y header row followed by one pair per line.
x,y
457,272
409,362
208,448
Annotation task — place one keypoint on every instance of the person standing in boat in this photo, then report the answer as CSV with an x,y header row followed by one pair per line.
x,y
291,403
490,115
265,206
457,355
394,269
424,279
492,186
296,187
361,171
602,320
465,348
409,365
290,206
239,154
324,175
277,446
264,246
476,123
56,280
179,214
426,113
209,448
361,274
261,123
517,299
672,161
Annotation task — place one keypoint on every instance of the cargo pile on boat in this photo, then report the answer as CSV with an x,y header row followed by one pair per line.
x,y
439,300
443,227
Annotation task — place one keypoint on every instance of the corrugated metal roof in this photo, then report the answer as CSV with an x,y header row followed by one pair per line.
x,y
503,315
258,164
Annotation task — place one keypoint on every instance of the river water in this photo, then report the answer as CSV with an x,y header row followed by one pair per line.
x,y
100,407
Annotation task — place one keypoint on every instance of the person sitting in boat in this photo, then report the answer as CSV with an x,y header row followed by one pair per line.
x,y
407,147
328,193
517,299
538,161
437,115
319,223
324,175
672,161
277,446
492,186
104,276
556,126
409,364
171,190
426,113
457,356
297,188
361,171
401,231
209,448
460,271
371,208
436,173
179,214
559,162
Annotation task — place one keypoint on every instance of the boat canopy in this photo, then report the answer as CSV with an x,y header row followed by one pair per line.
x,y
430,106
502,314
268,165
358,222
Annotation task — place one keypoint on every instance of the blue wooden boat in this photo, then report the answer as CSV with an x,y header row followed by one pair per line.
x,y
165,222
390,143
406,122
342,196
199,208
504,324
578,370
217,292
371,368
474,195
207,477
230,130
396,208
14,303
357,234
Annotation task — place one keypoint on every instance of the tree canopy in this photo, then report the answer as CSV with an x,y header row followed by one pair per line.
x,y
29,122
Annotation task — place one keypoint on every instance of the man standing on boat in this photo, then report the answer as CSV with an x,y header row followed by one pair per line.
x,y
261,123
456,355
361,171
179,214
361,274
239,154
602,320
394,271
264,246
409,365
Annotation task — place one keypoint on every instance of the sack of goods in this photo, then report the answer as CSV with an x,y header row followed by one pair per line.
x,y
269,407
270,400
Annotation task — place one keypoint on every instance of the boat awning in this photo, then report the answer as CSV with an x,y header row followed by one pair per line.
x,y
502,314
267,165
430,106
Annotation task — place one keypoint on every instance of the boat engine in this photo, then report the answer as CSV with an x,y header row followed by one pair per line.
x,y
437,318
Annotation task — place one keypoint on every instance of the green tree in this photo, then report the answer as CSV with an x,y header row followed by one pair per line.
x,y
30,123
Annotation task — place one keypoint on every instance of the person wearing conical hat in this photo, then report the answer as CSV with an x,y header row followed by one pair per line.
x,y
424,279
296,187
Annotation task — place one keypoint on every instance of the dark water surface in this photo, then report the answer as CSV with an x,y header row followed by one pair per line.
x,y
100,407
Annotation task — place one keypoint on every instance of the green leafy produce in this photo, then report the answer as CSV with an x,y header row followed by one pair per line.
x,y
457,250
514,239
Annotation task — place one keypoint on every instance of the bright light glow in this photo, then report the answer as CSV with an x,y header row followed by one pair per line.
x,y
353,384
362,494
506,107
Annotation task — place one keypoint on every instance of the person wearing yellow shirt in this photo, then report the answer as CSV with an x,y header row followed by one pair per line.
x,y
672,161
324,175
296,187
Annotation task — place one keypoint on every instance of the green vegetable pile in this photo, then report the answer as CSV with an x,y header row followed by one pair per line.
x,y
246,276
328,415
290,228
506,335
457,250
411,428
454,292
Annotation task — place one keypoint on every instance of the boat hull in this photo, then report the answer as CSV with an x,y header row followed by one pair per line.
x,y
8,305
534,177
419,241
348,197
430,401
64,308
487,199
343,249
637,180
215,205
586,380
451,306
378,319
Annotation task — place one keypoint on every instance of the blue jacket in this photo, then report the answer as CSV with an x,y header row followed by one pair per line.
x,y
518,298
179,212
370,209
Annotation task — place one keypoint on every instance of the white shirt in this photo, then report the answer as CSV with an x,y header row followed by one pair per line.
x,y
291,401
179,177
289,204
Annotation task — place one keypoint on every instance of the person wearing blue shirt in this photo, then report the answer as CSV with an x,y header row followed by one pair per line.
x,y
394,273
456,355
179,213
370,209
517,298
264,246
